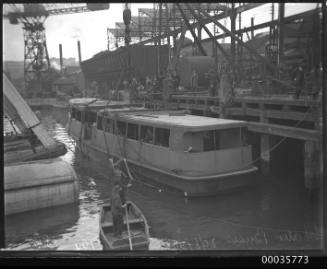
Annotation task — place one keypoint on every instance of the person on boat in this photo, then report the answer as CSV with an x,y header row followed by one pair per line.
x,y
148,136
117,210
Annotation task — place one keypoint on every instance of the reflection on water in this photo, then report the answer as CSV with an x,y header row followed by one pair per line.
x,y
275,214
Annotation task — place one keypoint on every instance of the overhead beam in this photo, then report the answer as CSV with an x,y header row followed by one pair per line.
x,y
217,17
198,43
233,36
266,24
200,20
285,131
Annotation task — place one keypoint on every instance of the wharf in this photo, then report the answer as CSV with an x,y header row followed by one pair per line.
x,y
267,116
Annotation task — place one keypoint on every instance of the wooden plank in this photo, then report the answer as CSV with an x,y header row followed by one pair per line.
x,y
277,114
278,101
285,131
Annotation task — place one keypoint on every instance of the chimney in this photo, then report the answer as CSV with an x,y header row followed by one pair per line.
x,y
60,55
79,51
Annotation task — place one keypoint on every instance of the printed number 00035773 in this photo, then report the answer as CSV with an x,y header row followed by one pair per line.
x,y
284,259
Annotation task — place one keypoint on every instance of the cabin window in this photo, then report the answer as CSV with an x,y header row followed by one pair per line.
x,y
147,134
224,139
229,138
99,123
162,137
209,141
133,131
121,128
73,113
110,126
78,115
90,116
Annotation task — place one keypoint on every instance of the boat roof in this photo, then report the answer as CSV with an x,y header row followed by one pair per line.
x,y
114,109
179,119
94,103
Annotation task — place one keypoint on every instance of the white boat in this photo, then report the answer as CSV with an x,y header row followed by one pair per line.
x,y
197,155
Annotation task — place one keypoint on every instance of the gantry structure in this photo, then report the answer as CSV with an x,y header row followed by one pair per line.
x,y
33,17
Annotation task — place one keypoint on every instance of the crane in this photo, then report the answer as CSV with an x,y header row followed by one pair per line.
x,y
36,57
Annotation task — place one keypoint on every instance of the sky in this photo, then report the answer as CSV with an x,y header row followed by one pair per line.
x,y
91,29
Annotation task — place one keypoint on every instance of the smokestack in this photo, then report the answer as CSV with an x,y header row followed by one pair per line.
x,y
60,55
79,51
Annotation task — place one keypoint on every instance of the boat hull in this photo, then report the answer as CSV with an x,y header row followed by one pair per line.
x,y
188,186
138,230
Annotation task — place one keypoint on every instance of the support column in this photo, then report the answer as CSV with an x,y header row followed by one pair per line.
x,y
313,165
265,153
281,12
233,47
265,144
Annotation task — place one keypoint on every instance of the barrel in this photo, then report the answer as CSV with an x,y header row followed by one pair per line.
x,y
39,184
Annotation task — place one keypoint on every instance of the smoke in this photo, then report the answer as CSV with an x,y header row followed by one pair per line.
x,y
55,65
77,32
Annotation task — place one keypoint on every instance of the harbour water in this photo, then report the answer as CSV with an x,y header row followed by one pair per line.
x,y
275,214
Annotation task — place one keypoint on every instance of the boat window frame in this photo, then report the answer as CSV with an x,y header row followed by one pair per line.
x,y
80,115
239,142
117,128
128,129
156,137
98,122
87,116
111,128
242,142
142,137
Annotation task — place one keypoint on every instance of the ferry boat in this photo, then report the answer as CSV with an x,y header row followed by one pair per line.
x,y
196,155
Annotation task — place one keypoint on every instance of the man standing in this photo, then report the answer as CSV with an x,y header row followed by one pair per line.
x,y
212,82
298,78
117,210
194,81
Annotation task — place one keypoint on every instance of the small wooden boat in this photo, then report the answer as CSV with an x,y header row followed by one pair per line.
x,y
138,229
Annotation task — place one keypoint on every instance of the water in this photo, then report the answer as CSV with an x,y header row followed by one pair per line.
x,y
277,214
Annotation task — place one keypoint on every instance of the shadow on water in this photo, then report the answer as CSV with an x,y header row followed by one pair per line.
x,y
42,224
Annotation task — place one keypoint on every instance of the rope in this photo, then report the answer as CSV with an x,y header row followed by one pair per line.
x,y
277,144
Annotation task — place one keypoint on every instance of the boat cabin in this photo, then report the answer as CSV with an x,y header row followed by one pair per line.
x,y
175,130
85,109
